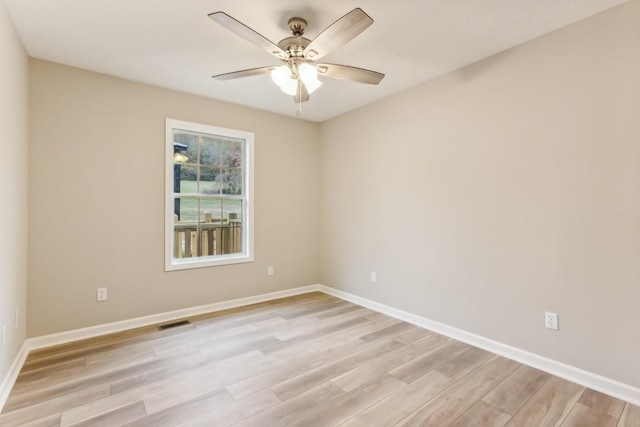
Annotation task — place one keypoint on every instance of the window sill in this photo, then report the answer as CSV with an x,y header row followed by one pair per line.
x,y
187,264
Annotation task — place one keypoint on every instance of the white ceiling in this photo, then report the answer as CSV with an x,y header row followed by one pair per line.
x,y
173,44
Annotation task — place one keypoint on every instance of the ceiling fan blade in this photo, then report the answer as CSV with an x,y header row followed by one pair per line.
x,y
247,33
243,73
338,33
345,72
302,95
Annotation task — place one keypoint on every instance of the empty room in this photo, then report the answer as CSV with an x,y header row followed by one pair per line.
x,y
297,213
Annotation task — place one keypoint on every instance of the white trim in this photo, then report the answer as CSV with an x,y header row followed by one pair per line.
x,y
138,322
10,379
123,325
588,379
171,264
200,262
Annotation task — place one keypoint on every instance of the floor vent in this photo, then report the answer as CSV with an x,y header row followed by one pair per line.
x,y
173,325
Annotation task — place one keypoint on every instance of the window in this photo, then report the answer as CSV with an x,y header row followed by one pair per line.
x,y
209,196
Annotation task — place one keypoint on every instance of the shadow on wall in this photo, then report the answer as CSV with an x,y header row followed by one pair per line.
x,y
483,66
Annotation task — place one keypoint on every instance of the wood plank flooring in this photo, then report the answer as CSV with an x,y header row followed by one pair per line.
x,y
309,360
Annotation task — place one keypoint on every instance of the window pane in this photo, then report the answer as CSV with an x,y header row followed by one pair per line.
x,y
209,229
210,210
187,181
231,181
187,144
185,234
232,210
232,153
232,232
209,151
186,209
209,183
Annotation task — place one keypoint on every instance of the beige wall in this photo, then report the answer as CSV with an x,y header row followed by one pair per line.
x,y
497,192
481,199
13,189
96,212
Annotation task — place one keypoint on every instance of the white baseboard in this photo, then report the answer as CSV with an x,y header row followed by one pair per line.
x,y
585,378
107,328
10,379
138,322
588,379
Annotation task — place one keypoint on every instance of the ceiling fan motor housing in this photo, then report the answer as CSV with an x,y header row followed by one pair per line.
x,y
294,46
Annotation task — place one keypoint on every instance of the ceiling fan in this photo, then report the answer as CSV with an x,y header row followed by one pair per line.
x,y
298,76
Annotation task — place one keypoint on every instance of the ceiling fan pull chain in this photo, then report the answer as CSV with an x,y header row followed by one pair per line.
x,y
299,109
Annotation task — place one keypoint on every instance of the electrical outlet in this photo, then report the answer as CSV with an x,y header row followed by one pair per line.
x,y
551,320
101,294
270,270
374,277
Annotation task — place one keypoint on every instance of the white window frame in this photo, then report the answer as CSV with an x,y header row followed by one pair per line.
x,y
172,264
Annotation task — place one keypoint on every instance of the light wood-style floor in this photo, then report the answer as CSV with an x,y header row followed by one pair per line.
x,y
310,360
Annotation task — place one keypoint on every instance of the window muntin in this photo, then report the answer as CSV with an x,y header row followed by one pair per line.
x,y
209,210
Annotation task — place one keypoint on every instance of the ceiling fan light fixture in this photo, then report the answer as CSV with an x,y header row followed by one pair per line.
x,y
312,85
309,75
280,75
283,78
307,72
290,86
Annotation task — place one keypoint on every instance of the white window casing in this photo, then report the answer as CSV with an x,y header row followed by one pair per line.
x,y
211,224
